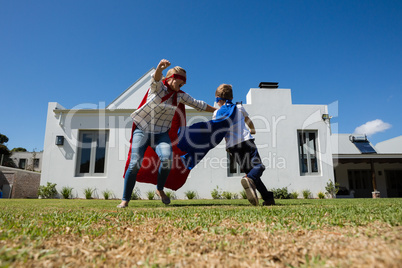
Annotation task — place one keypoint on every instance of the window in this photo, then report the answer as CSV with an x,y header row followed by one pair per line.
x,y
22,163
308,152
394,183
360,181
91,160
234,168
36,163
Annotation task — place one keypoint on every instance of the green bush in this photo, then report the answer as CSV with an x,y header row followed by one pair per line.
x,y
294,195
321,195
171,195
190,194
88,192
227,195
281,193
48,191
136,194
107,194
66,192
150,195
243,194
306,194
216,194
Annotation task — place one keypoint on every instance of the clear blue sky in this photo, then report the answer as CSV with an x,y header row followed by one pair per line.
x,y
76,52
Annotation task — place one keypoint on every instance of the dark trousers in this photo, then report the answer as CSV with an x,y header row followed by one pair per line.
x,y
248,158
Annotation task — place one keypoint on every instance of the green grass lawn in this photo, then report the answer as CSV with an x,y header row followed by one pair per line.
x,y
30,229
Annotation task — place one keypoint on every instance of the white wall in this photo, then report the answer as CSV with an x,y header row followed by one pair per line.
x,y
59,162
276,121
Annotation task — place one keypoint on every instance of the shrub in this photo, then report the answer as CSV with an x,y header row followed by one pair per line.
x,y
150,195
170,194
88,192
281,193
321,195
332,189
191,194
306,194
294,195
48,191
227,195
66,192
136,194
243,194
216,194
107,194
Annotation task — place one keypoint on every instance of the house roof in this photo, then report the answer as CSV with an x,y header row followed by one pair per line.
x,y
343,146
132,96
390,146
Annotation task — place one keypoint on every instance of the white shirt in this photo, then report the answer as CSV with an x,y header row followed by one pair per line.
x,y
239,131
156,117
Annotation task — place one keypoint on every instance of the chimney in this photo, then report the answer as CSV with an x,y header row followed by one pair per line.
x,y
268,85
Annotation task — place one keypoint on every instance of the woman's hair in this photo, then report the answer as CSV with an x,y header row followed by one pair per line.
x,y
224,91
175,70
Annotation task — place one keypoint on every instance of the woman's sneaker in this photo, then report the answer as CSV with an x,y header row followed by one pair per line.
x,y
249,187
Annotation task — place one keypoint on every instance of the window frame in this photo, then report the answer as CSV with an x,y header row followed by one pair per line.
x,y
303,147
232,161
94,135
36,163
22,163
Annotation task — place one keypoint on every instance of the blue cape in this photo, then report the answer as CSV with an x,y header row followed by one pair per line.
x,y
196,140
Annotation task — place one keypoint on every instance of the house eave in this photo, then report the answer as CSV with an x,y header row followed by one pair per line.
x,y
366,156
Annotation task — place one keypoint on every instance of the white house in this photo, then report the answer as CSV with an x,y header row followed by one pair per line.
x,y
28,160
87,147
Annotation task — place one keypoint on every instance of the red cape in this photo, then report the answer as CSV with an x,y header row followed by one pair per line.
x,y
148,172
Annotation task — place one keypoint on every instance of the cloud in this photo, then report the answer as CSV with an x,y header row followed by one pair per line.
x,y
372,127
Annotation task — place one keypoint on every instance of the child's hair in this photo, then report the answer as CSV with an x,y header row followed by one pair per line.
x,y
224,91
175,70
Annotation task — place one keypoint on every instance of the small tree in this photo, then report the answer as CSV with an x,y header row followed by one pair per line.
x,y
332,189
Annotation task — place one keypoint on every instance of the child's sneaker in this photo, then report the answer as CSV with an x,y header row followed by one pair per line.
x,y
249,187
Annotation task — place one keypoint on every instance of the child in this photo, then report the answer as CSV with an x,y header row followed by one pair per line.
x,y
240,144
152,121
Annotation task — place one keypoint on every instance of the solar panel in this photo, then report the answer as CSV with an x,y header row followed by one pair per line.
x,y
364,147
